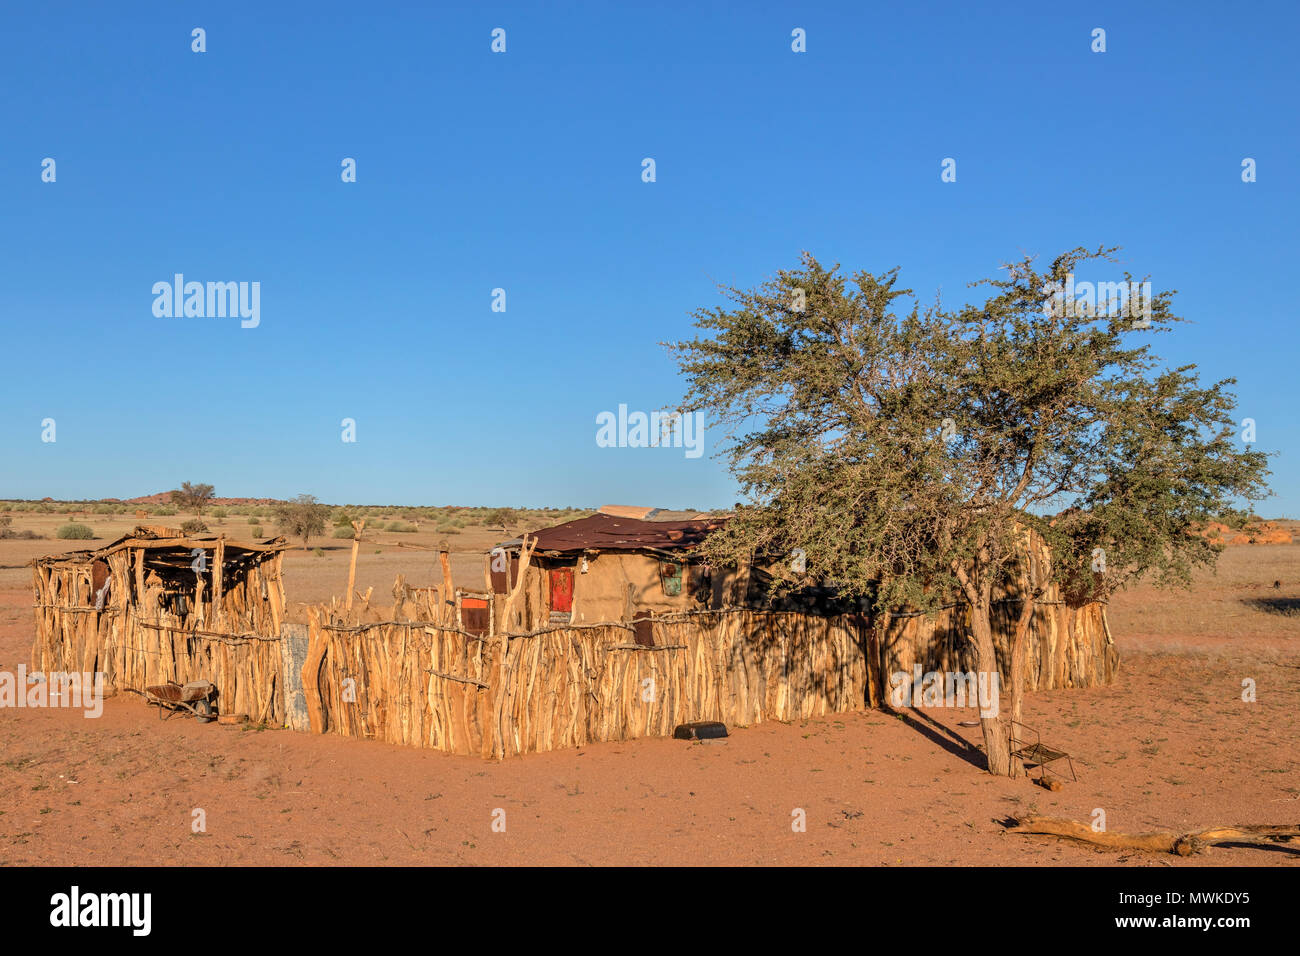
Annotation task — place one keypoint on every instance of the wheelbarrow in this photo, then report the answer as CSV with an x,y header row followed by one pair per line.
x,y
173,698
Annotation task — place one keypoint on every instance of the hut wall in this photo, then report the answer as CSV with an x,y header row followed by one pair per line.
x,y
602,593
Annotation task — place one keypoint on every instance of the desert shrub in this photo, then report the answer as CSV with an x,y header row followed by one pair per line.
x,y
255,531
194,526
343,532
8,533
76,532
252,519
302,517
164,510
318,552
401,528
219,512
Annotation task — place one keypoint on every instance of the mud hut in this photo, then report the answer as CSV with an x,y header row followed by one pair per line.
x,y
606,568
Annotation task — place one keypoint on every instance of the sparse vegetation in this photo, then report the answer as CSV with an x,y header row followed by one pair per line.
x,y
75,532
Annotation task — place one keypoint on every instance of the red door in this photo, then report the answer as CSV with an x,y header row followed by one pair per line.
x,y
562,590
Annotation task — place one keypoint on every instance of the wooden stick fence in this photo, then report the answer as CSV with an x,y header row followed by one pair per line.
x,y
421,678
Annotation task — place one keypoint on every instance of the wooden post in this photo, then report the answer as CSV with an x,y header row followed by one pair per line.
x,y
218,578
275,591
448,589
503,645
352,567
311,672
198,597
139,576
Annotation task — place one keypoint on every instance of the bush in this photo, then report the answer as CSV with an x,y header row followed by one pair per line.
x,y
194,526
318,552
343,532
252,519
302,517
164,510
400,528
76,532
219,512
255,531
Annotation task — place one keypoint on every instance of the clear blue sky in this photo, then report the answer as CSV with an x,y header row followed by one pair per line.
x,y
522,171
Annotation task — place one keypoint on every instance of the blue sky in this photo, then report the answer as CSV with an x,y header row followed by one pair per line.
x,y
522,171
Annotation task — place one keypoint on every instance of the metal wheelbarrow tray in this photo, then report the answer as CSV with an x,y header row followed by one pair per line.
x,y
173,698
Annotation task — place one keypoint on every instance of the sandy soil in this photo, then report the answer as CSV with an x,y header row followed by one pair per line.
x,y
1171,745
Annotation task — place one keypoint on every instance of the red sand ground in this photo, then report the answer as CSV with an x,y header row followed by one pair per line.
x,y
1170,746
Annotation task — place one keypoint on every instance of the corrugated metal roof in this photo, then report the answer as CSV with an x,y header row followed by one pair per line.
x,y
602,532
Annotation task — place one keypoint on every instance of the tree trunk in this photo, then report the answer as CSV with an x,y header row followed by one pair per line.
x,y
996,728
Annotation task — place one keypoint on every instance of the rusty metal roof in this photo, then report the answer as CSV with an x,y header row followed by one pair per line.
x,y
601,532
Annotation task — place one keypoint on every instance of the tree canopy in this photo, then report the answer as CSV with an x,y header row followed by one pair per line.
x,y
905,452
301,518
192,496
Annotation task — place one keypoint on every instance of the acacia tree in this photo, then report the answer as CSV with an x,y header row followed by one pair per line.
x,y
301,518
499,518
193,497
908,455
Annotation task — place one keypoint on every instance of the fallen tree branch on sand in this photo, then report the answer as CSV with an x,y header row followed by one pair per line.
x,y
1184,844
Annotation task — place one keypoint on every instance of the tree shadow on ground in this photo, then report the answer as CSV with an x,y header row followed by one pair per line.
x,y
940,735
1285,606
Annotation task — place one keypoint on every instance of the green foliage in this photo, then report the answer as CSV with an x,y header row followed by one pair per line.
x,y
344,533
194,526
256,531
192,497
904,452
164,510
75,532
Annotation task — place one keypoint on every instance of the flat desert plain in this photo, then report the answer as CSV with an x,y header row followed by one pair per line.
x,y
1171,746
